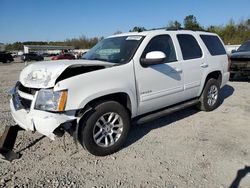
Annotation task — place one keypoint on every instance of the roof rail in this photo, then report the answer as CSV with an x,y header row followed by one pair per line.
x,y
176,29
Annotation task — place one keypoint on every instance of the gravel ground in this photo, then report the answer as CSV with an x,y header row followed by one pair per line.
x,y
185,149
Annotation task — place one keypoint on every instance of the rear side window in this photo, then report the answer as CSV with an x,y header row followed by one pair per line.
x,y
213,45
189,47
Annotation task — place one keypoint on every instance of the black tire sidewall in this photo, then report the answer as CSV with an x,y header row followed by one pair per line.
x,y
87,126
204,99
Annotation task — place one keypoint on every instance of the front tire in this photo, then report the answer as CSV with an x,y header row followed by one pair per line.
x,y
209,99
105,130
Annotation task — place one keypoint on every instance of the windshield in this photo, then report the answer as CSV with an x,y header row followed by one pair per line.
x,y
115,49
244,47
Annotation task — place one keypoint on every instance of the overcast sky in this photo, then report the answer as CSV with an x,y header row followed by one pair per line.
x,y
50,20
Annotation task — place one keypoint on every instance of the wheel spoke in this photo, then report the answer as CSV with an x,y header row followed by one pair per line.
x,y
118,131
116,118
97,134
111,117
209,101
103,120
106,141
119,125
98,124
100,139
111,139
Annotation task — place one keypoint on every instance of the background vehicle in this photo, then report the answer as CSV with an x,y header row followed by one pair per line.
x,y
137,76
240,61
63,56
6,57
32,57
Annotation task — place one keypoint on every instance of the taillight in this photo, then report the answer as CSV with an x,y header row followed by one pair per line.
x,y
229,63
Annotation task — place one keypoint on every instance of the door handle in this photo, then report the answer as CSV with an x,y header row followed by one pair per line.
x,y
204,65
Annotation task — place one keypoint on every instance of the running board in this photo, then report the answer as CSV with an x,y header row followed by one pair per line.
x,y
166,111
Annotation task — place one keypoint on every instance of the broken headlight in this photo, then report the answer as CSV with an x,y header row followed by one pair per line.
x,y
50,100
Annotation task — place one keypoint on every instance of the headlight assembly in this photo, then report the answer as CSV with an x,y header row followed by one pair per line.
x,y
50,100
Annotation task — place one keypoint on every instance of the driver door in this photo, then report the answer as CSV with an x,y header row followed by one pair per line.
x,y
159,85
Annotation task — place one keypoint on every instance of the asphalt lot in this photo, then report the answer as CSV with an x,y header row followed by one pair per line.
x,y
185,149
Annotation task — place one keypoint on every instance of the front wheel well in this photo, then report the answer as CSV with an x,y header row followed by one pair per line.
x,y
122,98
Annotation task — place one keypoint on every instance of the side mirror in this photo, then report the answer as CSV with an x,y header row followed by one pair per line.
x,y
153,58
233,51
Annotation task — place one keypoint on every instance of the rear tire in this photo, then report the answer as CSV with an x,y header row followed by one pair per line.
x,y
105,130
209,99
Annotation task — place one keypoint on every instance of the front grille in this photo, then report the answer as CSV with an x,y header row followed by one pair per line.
x,y
28,90
26,103
20,101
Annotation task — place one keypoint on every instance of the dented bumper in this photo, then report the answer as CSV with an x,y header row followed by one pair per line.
x,y
36,120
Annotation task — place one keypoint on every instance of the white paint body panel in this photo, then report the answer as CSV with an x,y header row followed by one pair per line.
x,y
148,88
44,74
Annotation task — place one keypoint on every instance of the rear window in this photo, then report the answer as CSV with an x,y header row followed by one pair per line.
x,y
213,44
189,47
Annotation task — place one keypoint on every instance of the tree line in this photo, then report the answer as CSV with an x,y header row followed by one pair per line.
x,y
79,43
231,33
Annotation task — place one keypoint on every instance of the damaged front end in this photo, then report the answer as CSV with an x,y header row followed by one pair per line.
x,y
35,103
39,104
24,105
33,110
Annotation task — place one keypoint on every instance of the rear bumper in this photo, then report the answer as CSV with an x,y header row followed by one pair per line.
x,y
225,78
40,121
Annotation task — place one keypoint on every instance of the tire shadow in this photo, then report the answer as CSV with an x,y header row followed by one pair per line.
x,y
139,131
226,92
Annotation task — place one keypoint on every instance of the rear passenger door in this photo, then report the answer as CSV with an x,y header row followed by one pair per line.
x,y
193,64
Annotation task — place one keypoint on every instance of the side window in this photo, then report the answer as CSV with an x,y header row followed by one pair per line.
x,y
213,44
189,47
164,44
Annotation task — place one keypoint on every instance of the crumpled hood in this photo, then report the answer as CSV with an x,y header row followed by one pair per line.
x,y
44,74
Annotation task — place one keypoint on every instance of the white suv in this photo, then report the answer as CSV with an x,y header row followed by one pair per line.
x,y
121,79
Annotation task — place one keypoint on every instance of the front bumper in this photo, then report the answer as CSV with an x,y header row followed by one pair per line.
x,y
37,120
240,67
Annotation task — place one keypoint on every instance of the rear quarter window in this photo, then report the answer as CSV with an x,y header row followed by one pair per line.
x,y
213,44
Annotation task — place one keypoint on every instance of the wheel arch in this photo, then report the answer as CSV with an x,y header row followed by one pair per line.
x,y
217,75
121,97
